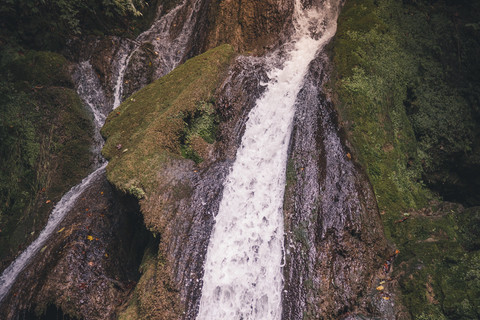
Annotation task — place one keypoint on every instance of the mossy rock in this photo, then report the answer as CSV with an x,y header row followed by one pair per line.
x,y
409,113
41,68
469,225
160,122
46,135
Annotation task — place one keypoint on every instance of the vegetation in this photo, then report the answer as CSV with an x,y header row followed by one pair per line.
x,y
48,24
407,89
45,141
167,119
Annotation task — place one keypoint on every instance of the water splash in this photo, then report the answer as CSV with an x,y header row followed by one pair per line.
x,y
243,268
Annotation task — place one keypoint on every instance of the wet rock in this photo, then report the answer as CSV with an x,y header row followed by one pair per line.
x,y
90,264
140,69
249,25
102,53
335,245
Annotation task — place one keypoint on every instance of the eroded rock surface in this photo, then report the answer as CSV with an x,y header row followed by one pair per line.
x,y
335,244
89,266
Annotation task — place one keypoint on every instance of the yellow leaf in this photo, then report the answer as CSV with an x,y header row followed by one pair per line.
x,y
382,282
380,288
386,298
61,230
90,238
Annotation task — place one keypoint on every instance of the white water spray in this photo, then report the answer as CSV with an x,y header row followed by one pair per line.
x,y
243,268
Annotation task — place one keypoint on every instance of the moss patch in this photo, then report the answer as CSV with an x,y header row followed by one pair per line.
x,y
373,74
412,118
163,121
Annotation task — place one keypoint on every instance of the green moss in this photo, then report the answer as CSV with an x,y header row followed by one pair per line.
x,y
151,126
373,74
408,114
438,277
41,68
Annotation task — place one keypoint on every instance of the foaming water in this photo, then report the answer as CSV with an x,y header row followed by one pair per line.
x,y
90,90
243,268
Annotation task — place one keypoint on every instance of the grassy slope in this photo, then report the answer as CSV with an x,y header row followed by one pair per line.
x,y
400,106
162,121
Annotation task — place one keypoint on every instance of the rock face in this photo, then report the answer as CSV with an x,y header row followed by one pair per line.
x,y
335,245
90,264
249,25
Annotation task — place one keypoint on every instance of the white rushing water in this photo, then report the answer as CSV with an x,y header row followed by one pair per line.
x,y
243,267
170,52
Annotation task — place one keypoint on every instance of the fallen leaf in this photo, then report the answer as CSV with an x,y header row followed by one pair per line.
x,y
61,230
91,264
386,298
48,201
382,282
90,238
380,288
43,249
349,156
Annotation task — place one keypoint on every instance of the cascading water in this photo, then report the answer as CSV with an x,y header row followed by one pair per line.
x,y
243,268
169,50
170,53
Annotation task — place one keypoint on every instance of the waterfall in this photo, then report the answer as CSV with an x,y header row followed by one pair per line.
x,y
243,267
170,52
